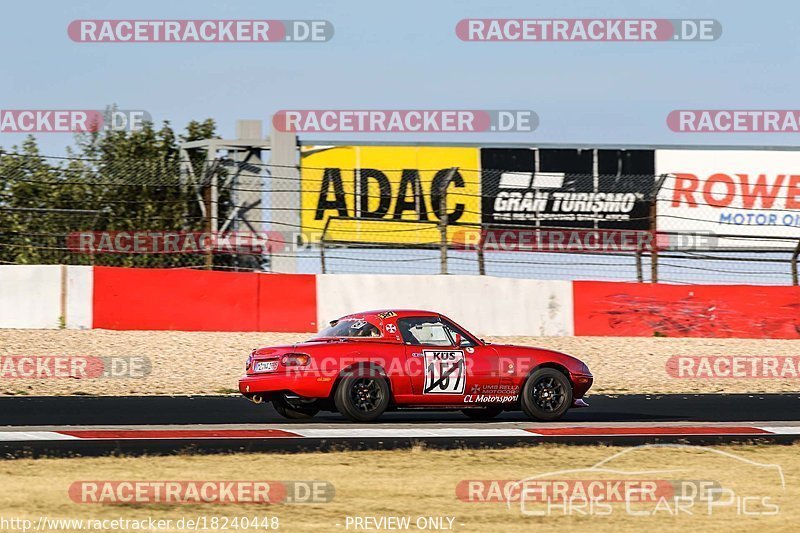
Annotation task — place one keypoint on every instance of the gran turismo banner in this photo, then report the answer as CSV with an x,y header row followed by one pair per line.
x,y
388,194
602,189
748,198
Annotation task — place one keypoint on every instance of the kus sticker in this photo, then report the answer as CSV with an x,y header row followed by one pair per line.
x,y
444,371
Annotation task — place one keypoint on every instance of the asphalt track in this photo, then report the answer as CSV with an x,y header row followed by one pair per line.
x,y
185,410
166,424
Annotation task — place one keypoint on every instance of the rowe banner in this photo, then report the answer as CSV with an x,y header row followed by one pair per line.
x,y
387,194
748,198
601,189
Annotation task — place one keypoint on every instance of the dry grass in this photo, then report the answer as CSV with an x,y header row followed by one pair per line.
x,y
210,363
421,482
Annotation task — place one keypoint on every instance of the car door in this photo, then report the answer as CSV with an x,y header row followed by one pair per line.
x,y
441,370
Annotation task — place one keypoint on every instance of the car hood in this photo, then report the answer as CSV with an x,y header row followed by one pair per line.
x,y
542,355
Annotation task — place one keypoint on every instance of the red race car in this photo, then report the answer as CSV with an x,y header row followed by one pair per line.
x,y
366,363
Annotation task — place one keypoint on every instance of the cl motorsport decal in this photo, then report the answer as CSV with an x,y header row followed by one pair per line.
x,y
492,394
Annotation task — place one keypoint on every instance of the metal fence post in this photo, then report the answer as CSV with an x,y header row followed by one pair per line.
x,y
481,261
63,319
208,199
211,199
639,274
322,246
654,243
443,221
322,254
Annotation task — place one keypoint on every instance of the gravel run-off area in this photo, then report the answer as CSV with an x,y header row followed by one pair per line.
x,y
193,363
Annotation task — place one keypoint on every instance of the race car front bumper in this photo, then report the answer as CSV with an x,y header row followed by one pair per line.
x,y
580,384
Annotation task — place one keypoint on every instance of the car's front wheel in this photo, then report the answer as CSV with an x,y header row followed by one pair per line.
x,y
295,409
362,399
547,395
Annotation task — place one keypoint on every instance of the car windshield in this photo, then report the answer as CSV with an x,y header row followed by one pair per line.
x,y
350,327
431,331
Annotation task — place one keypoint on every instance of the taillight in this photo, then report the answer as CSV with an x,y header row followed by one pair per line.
x,y
249,362
295,359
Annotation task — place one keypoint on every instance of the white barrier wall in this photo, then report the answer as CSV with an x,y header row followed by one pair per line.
x,y
31,296
80,283
482,304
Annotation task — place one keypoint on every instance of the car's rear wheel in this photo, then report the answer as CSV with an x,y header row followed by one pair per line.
x,y
547,395
362,399
295,409
483,413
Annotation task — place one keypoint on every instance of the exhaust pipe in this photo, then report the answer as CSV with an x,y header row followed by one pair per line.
x,y
256,398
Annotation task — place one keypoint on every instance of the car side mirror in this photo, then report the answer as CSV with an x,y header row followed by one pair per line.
x,y
458,339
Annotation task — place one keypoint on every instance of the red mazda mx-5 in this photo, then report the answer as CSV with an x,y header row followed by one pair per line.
x,y
366,363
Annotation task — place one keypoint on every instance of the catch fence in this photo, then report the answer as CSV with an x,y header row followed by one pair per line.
x,y
141,213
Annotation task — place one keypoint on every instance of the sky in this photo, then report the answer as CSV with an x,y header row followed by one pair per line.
x,y
404,55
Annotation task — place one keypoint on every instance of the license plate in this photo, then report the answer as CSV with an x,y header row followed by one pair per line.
x,y
266,366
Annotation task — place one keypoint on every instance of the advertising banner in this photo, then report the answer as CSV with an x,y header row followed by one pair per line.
x,y
387,194
602,189
750,196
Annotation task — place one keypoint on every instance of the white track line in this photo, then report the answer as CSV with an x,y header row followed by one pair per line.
x,y
333,433
452,432
781,430
8,436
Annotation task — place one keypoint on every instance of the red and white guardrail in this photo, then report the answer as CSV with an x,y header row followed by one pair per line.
x,y
764,430
85,297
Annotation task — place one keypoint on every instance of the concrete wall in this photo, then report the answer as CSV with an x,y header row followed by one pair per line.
x,y
49,296
183,299
31,296
482,304
80,287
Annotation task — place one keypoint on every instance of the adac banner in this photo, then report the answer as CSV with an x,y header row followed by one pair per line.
x,y
747,198
388,194
566,188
